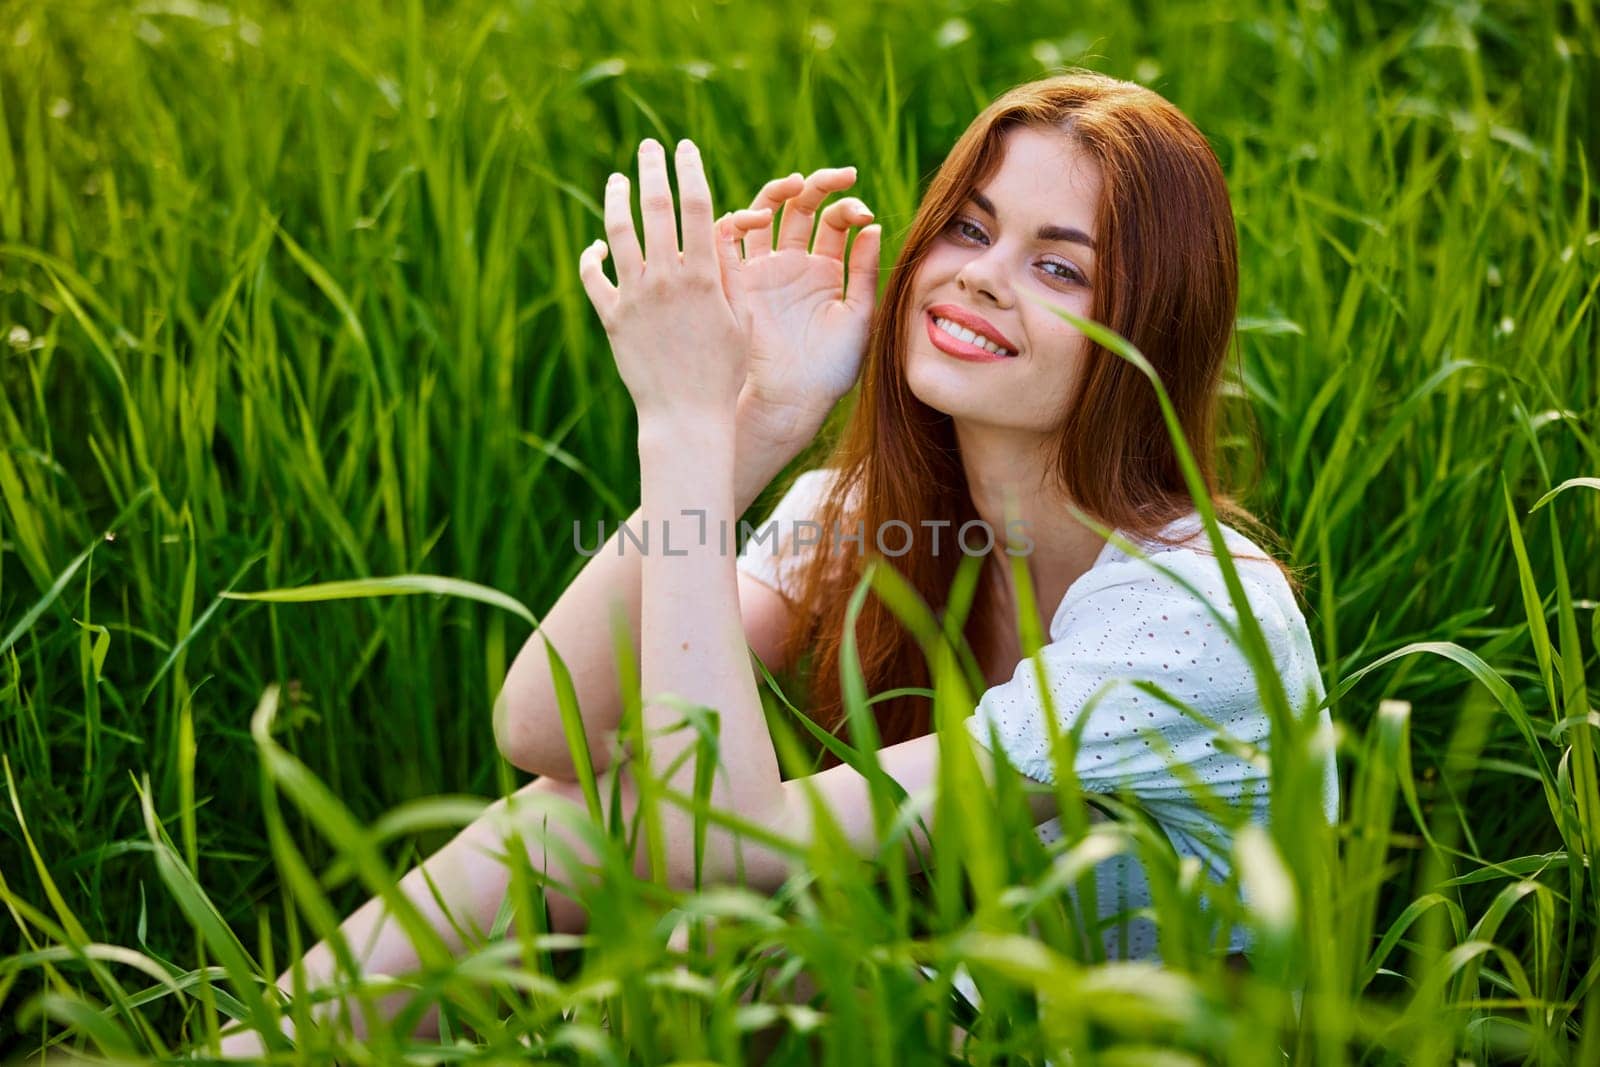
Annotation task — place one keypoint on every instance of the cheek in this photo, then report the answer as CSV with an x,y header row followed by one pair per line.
x,y
1059,341
938,265
1052,386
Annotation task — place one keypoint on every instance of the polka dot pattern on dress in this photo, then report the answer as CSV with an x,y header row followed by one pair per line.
x,y
1125,621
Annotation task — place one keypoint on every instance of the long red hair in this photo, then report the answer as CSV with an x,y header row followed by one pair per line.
x,y
1167,280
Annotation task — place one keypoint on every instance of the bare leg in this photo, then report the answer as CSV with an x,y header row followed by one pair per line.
x,y
471,881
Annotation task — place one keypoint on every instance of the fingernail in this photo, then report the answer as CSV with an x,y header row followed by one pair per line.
x,y
687,145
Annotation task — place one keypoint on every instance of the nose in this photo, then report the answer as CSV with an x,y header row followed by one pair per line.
x,y
984,274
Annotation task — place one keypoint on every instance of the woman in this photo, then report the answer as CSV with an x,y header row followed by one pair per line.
x,y
979,409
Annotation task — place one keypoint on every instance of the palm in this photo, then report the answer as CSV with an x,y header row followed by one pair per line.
x,y
807,342
807,335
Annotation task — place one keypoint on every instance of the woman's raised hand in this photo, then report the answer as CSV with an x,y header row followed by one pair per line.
x,y
677,322
807,334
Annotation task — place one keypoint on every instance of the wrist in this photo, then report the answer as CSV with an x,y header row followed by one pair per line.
x,y
779,423
683,434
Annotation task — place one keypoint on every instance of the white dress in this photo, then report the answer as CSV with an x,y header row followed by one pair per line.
x,y
1125,620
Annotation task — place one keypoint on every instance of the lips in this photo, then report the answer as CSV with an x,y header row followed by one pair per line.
x,y
974,322
958,348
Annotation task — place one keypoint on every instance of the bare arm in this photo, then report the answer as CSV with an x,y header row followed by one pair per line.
x,y
527,717
808,340
795,811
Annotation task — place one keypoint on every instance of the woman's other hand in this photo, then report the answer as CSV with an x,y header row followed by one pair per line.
x,y
808,335
677,322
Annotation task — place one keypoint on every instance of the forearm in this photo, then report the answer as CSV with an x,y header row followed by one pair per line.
x,y
692,637
527,717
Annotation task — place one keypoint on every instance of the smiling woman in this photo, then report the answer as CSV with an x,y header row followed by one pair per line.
x,y
1101,198
1023,253
978,404
1078,192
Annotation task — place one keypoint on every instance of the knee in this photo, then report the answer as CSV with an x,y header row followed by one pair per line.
x,y
541,805
571,792
553,811
537,790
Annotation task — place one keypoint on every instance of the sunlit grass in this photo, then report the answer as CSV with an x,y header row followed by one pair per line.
x,y
288,297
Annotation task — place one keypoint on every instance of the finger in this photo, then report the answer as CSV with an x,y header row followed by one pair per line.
x,y
655,204
748,219
627,260
602,294
835,223
742,222
798,214
699,251
863,285
726,239
745,221
758,241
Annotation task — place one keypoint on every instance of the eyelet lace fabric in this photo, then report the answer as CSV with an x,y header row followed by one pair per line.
x,y
1131,620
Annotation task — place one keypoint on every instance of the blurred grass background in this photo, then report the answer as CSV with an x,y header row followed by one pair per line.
x,y
288,295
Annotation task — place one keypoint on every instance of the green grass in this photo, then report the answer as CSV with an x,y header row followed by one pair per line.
x,y
288,296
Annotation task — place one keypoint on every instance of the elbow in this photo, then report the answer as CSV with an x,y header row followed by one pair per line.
x,y
511,735
531,738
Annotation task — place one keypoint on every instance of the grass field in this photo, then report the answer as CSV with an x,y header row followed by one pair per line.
x,y
288,295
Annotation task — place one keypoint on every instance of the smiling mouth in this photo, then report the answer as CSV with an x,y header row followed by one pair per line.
x,y
962,343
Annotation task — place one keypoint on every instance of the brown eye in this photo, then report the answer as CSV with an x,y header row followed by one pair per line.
x,y
1069,273
960,226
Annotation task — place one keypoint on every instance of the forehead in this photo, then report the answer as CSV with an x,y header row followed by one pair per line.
x,y
1043,177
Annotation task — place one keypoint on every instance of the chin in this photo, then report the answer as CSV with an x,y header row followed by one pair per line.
x,y
937,382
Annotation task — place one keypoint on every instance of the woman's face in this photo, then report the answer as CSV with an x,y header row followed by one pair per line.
x,y
1028,229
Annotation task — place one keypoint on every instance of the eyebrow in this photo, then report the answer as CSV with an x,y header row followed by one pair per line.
x,y
1070,234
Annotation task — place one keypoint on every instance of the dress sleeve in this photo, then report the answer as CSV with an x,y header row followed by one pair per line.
x,y
1125,622
779,543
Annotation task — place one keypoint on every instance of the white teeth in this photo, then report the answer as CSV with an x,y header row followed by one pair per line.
x,y
964,334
